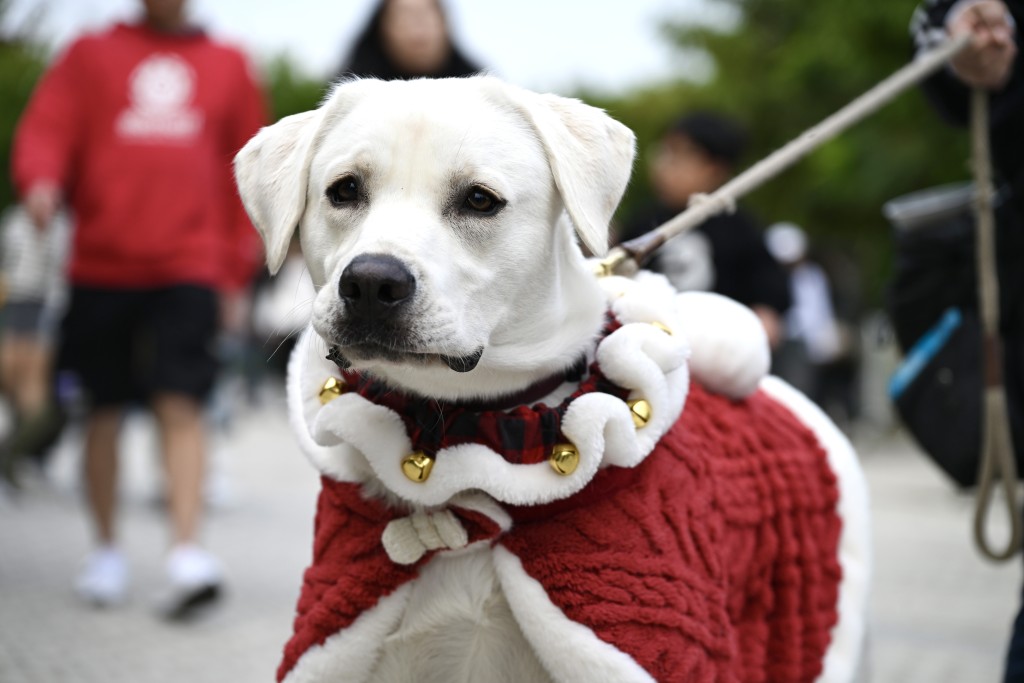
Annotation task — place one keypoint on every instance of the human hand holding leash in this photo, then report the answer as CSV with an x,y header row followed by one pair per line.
x,y
987,62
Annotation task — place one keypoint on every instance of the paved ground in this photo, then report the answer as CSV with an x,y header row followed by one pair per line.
x,y
939,613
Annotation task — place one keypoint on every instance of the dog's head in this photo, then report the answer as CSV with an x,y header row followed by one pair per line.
x,y
432,217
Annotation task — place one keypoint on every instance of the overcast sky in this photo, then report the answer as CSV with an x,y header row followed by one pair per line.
x,y
542,44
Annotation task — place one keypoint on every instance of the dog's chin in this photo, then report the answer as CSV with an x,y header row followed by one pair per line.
x,y
370,355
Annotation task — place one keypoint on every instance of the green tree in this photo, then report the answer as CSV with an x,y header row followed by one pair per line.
x,y
290,90
21,63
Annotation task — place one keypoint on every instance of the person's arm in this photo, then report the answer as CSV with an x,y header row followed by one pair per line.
x,y
47,139
990,61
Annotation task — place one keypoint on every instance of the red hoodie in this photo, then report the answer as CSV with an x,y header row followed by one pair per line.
x,y
140,128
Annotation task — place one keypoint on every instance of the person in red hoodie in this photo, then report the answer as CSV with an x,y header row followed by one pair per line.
x,y
135,128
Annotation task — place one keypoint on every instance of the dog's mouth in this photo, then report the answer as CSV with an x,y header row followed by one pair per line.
x,y
353,343
343,357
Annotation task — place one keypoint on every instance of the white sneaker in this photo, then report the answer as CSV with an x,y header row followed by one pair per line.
x,y
104,580
195,582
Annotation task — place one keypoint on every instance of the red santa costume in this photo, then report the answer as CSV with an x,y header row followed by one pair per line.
x,y
716,532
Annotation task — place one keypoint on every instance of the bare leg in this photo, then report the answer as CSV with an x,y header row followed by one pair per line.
x,y
195,575
103,428
10,376
183,440
25,368
10,366
34,389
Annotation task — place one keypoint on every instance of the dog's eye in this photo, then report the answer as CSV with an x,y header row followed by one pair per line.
x,y
483,201
343,191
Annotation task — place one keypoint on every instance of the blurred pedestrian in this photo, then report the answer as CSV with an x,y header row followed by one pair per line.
x,y
31,268
407,39
817,353
991,61
726,254
135,127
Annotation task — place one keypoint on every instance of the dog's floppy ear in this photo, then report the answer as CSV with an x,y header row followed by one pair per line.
x,y
591,157
272,172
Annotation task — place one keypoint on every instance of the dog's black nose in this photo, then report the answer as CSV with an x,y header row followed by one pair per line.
x,y
373,286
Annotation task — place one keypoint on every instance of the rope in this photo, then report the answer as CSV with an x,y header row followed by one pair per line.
x,y
627,257
997,456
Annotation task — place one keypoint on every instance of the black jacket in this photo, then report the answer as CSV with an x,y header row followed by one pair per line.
x,y
741,267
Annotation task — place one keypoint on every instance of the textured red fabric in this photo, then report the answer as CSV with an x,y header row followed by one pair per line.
x,y
351,571
716,559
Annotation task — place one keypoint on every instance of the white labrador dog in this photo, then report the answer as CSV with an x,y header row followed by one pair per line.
x,y
441,222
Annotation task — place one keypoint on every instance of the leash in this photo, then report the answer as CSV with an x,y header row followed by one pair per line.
x,y
628,257
997,457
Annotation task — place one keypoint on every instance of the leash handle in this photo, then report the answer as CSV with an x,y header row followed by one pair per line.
x,y
997,456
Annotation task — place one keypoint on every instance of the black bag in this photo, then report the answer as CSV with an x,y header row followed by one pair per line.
x,y
932,304
937,391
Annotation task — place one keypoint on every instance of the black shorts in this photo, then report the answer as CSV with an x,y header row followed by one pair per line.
x,y
127,345
25,318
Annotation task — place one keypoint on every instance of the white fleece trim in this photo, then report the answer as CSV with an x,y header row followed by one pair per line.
x,y
304,402
456,469
845,651
729,350
569,651
352,439
652,365
730,354
350,655
644,298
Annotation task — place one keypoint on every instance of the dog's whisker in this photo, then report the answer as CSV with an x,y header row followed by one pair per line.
x,y
282,343
462,142
280,324
440,414
305,277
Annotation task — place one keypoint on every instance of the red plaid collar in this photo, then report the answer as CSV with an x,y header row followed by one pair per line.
x,y
521,433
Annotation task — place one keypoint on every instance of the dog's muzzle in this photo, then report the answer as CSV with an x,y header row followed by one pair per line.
x,y
375,290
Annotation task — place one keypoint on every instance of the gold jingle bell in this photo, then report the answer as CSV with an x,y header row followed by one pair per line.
x,y
564,459
417,466
640,411
663,327
332,388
